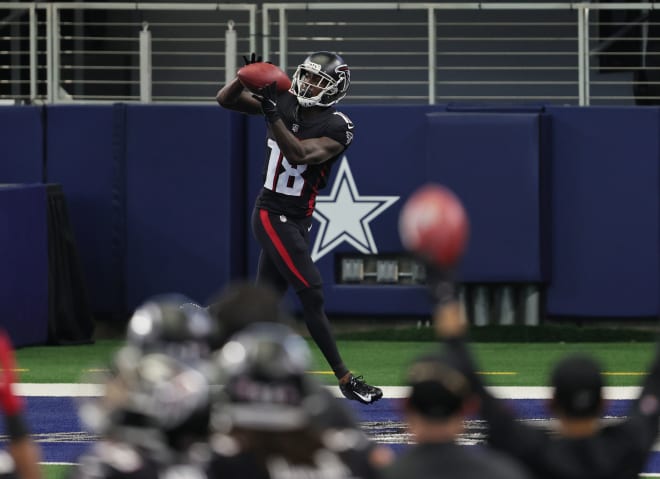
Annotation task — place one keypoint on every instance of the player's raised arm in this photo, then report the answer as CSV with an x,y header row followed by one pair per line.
x,y
434,226
234,95
25,453
645,412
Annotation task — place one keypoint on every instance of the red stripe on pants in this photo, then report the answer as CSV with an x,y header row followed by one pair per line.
x,y
284,254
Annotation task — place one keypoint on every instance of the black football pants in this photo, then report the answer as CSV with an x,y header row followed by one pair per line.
x,y
285,261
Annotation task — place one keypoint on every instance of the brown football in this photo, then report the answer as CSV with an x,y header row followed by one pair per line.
x,y
255,76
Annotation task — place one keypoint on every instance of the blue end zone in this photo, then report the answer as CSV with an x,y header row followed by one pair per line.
x,y
56,427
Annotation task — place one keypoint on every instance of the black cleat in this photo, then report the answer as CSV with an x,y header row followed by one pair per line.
x,y
356,389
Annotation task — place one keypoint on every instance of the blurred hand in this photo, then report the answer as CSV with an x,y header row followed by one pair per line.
x,y
449,321
9,402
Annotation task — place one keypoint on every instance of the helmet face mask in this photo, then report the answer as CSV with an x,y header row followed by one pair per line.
x,y
321,80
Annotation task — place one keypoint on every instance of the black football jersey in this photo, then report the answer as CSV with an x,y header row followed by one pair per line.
x,y
116,460
335,461
290,189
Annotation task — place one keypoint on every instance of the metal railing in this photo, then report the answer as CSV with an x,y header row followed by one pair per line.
x,y
567,53
575,53
123,52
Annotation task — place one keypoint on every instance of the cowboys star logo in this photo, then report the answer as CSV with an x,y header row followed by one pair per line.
x,y
345,215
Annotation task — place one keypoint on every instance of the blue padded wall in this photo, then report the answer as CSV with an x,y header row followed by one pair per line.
x,y
24,259
86,156
21,137
159,197
606,199
179,201
385,163
492,161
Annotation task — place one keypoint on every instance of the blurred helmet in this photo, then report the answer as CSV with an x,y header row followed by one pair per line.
x,y
262,370
172,324
322,79
150,391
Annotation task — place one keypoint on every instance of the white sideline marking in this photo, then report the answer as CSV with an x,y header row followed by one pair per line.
x,y
518,392
394,392
58,389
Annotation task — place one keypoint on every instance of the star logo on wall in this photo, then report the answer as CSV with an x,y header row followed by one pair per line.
x,y
345,215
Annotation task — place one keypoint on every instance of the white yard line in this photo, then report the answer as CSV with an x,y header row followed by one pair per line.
x,y
506,392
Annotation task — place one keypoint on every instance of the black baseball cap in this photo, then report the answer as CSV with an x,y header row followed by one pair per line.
x,y
578,382
438,389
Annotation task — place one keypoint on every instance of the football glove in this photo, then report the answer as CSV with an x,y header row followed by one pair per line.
x,y
252,59
268,98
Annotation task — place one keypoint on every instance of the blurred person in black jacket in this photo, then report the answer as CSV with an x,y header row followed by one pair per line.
x,y
440,399
582,447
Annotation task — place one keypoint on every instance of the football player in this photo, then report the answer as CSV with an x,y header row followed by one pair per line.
x,y
306,135
274,421
153,418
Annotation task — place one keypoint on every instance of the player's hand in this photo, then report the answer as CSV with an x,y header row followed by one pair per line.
x,y
449,320
253,58
10,404
268,98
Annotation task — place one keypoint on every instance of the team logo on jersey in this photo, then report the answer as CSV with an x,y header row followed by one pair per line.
x,y
345,215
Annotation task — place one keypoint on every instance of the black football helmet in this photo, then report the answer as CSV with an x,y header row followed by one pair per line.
x,y
262,370
321,80
172,324
148,396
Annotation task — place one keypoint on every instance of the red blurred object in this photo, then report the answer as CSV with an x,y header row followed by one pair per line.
x,y
433,224
10,403
255,76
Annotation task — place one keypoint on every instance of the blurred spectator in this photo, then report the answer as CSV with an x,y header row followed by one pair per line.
x,y
21,459
439,400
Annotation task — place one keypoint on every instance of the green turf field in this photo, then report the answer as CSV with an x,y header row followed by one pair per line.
x,y
52,471
382,362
